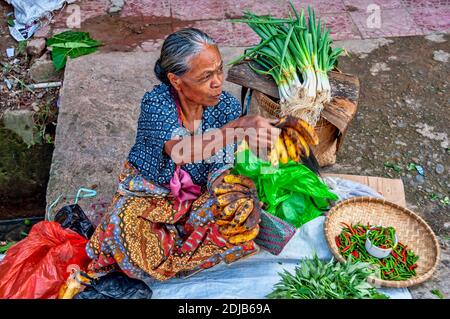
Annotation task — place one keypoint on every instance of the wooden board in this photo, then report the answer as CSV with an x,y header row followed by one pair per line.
x,y
342,84
391,189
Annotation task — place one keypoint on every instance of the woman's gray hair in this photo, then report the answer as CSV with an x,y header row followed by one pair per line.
x,y
176,51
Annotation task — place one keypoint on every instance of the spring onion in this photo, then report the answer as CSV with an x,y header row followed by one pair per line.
x,y
296,52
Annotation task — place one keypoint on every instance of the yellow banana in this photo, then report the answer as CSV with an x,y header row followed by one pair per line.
x,y
304,145
245,236
298,140
240,179
222,222
228,230
290,146
304,129
254,218
230,197
224,188
243,212
229,210
273,157
307,132
281,150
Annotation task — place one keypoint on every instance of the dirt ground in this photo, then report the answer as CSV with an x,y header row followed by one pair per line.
x,y
403,119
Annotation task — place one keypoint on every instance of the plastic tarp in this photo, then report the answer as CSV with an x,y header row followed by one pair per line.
x,y
28,11
255,276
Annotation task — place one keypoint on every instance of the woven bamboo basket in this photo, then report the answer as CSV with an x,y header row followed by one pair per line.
x,y
325,152
411,230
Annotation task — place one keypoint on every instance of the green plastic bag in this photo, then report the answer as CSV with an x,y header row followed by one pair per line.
x,y
291,191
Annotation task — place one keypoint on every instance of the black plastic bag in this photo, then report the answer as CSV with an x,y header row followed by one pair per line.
x,y
115,285
73,217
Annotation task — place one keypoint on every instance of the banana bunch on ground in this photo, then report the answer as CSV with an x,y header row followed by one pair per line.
x,y
238,215
294,141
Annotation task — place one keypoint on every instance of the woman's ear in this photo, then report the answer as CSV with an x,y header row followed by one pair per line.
x,y
174,80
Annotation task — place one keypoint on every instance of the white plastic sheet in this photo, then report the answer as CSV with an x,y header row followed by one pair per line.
x,y
27,14
255,276
28,11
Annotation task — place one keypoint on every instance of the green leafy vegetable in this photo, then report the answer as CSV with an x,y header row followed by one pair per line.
x,y
438,293
71,44
315,279
394,166
10,21
4,248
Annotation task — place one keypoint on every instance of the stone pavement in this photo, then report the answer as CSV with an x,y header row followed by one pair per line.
x,y
150,21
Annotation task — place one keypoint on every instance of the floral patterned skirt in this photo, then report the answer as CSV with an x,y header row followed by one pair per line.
x,y
147,232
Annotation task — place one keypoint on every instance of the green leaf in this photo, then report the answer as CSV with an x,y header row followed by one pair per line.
x,y
4,249
438,293
10,21
394,166
59,55
71,44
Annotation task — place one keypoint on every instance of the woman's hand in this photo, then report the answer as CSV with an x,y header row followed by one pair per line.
x,y
258,131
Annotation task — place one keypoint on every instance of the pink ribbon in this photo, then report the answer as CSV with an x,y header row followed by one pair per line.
x,y
182,186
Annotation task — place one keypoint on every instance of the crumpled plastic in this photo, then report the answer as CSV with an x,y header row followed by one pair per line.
x,y
115,285
73,217
291,191
38,265
28,11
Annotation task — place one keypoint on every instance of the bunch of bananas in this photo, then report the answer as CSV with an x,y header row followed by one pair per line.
x,y
239,213
294,141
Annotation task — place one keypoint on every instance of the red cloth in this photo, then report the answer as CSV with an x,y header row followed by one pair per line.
x,y
37,266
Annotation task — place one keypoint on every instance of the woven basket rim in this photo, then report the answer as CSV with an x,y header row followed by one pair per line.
x,y
386,283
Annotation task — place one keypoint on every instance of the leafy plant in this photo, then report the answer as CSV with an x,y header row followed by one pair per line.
x,y
10,21
5,246
71,44
43,117
394,166
438,293
315,279
22,48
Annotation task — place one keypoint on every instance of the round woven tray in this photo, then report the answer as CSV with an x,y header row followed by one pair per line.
x,y
412,231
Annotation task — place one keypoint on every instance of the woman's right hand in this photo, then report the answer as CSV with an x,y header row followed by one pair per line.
x,y
258,131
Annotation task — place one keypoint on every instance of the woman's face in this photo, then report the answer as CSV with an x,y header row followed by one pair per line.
x,y
202,84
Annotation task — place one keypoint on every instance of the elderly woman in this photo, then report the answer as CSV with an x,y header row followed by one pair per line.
x,y
162,221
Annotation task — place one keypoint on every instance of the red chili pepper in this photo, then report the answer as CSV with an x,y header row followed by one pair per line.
x,y
388,272
350,228
338,242
404,255
394,254
361,231
412,267
346,248
355,254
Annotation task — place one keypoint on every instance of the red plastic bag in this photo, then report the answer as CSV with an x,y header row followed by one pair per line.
x,y
37,266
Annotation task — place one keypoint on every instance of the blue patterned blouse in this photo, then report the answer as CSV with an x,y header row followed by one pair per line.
x,y
158,123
